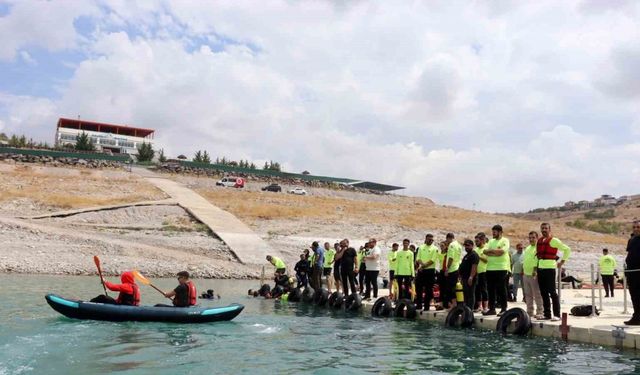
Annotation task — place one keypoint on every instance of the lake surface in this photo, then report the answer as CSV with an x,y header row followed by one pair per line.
x,y
268,337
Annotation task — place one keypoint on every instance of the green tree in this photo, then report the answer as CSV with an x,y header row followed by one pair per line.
x,y
217,160
252,166
145,152
206,158
198,157
223,161
161,157
23,141
3,137
14,142
266,166
83,142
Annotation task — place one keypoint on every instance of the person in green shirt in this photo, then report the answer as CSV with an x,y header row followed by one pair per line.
x,y
482,296
607,265
547,253
281,268
498,267
442,278
329,254
454,255
391,261
361,268
426,261
405,270
530,286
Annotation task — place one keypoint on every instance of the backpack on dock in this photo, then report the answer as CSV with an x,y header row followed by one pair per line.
x,y
583,310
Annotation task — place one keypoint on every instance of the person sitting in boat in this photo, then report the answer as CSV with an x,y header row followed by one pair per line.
x,y
184,295
129,291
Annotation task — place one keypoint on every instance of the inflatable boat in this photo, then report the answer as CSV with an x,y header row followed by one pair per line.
x,y
122,313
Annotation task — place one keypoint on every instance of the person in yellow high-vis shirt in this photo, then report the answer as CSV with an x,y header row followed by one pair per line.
x,y
530,286
498,267
482,296
391,264
454,255
405,270
329,255
607,265
427,258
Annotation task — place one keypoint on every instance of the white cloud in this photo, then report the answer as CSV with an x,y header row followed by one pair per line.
x,y
506,106
45,24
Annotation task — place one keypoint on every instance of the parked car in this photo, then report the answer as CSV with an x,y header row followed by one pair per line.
x,y
298,191
235,182
273,187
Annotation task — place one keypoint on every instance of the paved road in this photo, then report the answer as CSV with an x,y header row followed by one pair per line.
x,y
243,242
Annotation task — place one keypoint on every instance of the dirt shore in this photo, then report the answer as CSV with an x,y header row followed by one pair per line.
x,y
161,240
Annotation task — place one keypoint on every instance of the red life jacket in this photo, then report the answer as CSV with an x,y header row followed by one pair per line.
x,y
544,250
193,295
130,299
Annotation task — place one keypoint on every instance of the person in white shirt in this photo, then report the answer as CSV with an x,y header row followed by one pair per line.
x,y
372,265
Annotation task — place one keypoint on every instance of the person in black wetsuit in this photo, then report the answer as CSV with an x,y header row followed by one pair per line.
x,y
302,271
347,267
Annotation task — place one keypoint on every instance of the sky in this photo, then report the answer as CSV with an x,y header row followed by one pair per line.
x,y
497,106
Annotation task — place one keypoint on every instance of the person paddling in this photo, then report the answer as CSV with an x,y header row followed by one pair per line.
x,y
184,295
129,291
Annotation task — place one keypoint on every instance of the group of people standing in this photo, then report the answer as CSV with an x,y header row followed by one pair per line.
x,y
483,266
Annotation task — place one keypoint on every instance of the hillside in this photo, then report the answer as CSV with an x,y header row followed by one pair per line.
x,y
161,239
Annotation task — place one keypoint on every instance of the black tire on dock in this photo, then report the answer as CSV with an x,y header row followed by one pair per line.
x,y
307,295
405,309
295,295
353,302
522,322
335,300
461,316
382,307
320,297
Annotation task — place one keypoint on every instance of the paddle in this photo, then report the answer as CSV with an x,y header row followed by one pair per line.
x,y
96,260
146,281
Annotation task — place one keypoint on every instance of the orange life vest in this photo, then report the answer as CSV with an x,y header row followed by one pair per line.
x,y
193,295
132,299
544,250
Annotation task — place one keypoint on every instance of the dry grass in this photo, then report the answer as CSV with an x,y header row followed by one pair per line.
x,y
83,189
412,213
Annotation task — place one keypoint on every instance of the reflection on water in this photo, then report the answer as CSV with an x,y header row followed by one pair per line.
x,y
268,337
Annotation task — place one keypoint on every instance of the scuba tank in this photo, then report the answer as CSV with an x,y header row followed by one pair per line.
x,y
459,292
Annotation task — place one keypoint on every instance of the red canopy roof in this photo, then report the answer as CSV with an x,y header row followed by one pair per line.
x,y
104,128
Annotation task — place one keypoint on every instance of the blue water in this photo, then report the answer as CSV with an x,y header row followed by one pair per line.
x,y
268,337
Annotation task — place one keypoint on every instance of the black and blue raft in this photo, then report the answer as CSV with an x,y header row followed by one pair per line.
x,y
123,313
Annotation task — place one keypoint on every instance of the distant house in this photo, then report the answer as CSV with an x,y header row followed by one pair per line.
x,y
622,199
605,200
584,204
570,204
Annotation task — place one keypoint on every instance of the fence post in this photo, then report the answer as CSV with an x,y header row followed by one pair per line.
x,y
593,294
559,281
262,277
624,289
599,286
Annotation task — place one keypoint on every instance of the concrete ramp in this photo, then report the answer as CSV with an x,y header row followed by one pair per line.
x,y
243,242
